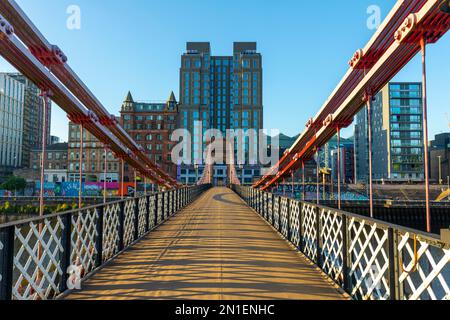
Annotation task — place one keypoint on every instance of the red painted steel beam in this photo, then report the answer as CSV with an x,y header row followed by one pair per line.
x,y
430,21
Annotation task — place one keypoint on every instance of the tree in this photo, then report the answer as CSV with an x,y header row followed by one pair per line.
x,y
14,184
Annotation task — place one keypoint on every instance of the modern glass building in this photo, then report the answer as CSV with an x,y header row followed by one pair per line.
x,y
12,95
398,151
220,92
33,119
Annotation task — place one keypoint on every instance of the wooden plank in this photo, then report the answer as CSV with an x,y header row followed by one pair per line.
x,y
217,248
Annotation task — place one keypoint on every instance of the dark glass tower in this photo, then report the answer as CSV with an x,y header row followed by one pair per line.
x,y
219,92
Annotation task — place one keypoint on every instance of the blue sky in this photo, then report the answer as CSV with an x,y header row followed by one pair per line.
x,y
136,45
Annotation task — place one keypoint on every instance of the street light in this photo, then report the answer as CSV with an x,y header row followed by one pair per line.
x,y
445,6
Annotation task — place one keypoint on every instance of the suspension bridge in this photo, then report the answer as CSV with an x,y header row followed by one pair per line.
x,y
241,242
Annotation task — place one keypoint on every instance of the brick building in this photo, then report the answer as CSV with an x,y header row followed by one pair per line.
x,y
55,162
93,158
151,126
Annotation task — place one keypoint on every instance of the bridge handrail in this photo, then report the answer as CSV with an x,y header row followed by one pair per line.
x,y
360,254
42,257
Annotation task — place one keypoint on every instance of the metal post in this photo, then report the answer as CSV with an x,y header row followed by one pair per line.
x,y
303,181
156,206
6,262
394,288
121,228
425,131
135,184
318,239
121,178
105,172
293,191
369,125
440,171
338,165
346,265
145,185
65,260
136,218
45,98
317,178
99,239
80,169
147,213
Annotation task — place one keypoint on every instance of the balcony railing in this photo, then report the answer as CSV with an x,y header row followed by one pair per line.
x,y
369,259
39,255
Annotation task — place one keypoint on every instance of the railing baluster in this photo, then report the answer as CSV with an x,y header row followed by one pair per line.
x,y
6,262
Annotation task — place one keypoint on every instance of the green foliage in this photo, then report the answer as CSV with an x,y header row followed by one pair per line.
x,y
62,207
13,184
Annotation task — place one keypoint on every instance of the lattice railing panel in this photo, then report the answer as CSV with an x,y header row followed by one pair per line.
x,y
418,268
369,270
284,215
111,230
332,244
295,222
83,238
142,216
309,230
425,271
128,236
36,268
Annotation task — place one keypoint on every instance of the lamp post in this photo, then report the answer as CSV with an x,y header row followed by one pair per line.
x,y
45,97
425,131
440,170
105,172
80,169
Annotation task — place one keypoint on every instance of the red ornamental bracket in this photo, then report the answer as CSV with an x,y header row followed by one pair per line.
x,y
6,29
406,28
361,61
47,57
310,123
331,122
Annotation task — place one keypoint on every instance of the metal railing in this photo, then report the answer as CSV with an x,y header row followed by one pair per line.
x,y
369,259
39,255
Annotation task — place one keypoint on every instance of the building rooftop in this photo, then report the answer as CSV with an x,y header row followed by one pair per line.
x,y
55,147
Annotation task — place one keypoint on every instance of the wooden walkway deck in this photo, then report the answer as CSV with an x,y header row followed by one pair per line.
x,y
217,248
